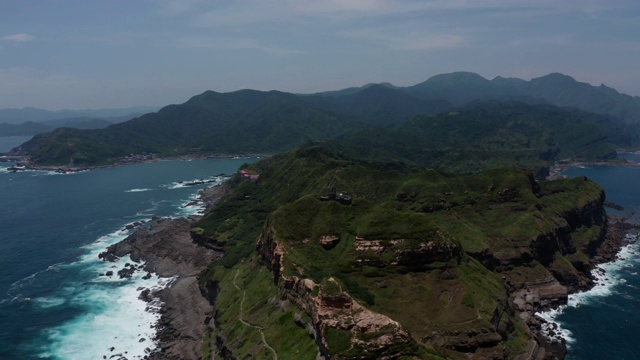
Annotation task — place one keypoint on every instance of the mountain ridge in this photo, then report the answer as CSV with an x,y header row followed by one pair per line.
x,y
252,121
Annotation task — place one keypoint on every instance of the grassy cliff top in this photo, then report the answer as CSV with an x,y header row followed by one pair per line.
x,y
428,250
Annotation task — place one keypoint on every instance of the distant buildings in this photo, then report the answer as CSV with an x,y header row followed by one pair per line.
x,y
248,176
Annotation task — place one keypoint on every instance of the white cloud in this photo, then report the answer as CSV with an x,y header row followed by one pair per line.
x,y
21,37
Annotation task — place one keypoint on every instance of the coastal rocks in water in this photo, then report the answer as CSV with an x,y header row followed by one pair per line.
x,y
543,294
126,272
334,311
145,295
212,195
166,248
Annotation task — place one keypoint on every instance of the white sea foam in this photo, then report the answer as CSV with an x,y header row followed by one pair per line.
x,y
113,314
49,302
195,182
14,291
554,327
115,317
137,190
606,277
98,246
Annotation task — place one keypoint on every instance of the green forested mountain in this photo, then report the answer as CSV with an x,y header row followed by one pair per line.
x,y
486,135
238,122
250,121
24,129
556,89
461,88
379,105
17,116
32,128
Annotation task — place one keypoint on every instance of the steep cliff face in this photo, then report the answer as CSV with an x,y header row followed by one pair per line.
x,y
418,264
412,257
343,327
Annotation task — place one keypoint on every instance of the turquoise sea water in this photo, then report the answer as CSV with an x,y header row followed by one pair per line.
x,y
53,302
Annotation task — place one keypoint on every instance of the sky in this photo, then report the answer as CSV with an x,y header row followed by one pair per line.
x,y
122,53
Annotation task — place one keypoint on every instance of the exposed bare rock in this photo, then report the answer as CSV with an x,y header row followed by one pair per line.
x,y
376,246
328,242
372,333
436,249
166,248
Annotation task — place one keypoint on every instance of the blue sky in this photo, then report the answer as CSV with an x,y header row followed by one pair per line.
x,y
107,54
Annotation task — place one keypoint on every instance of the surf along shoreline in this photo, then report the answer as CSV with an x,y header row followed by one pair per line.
x,y
541,316
163,246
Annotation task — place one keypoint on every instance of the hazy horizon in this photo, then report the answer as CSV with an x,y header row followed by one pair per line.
x,y
102,55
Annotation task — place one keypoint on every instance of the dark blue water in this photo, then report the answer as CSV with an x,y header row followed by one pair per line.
x,y
53,303
604,323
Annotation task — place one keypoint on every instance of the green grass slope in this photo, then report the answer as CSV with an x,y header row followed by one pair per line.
x,y
427,250
240,122
485,135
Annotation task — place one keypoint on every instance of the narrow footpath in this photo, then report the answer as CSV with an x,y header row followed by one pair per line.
x,y
266,344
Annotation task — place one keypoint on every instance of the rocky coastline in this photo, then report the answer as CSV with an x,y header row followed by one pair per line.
x,y
164,246
549,294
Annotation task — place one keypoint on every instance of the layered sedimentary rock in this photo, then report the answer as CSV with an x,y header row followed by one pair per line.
x,y
371,334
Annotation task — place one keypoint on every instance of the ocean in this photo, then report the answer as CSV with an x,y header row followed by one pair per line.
x,y
54,304
604,323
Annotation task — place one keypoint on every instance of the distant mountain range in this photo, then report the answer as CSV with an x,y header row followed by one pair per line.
x,y
461,88
31,121
30,128
17,116
250,121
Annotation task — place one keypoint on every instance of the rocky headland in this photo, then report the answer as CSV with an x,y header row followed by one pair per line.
x,y
549,293
165,247
168,248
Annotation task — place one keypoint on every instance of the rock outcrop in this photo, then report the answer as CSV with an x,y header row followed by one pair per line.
x,y
166,248
334,311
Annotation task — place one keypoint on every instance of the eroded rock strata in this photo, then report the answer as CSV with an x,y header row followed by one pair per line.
x,y
367,294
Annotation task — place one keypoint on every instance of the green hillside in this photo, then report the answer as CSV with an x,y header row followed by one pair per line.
x,y
249,121
479,136
239,122
555,89
486,135
426,257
